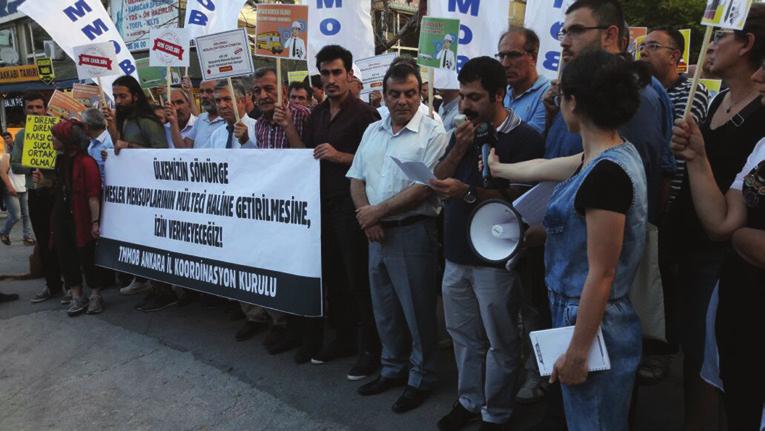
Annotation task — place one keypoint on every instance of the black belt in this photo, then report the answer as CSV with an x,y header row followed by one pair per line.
x,y
406,221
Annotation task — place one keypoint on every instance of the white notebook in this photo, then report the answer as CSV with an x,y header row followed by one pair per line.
x,y
550,344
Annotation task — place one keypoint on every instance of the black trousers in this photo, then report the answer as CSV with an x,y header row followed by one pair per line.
x,y
40,210
345,267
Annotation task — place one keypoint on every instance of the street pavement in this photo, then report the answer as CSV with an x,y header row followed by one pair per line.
x,y
181,369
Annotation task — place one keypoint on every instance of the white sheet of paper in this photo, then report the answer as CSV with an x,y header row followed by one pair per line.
x,y
550,344
416,171
533,204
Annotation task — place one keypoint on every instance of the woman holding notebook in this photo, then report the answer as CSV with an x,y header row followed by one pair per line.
x,y
595,225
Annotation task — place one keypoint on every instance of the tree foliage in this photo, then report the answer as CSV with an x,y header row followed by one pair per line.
x,y
677,14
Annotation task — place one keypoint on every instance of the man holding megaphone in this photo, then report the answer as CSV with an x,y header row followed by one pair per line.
x,y
479,297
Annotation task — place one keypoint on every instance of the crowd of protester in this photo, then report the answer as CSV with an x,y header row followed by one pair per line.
x,y
643,190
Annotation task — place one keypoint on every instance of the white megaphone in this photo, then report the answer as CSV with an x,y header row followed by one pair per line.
x,y
495,231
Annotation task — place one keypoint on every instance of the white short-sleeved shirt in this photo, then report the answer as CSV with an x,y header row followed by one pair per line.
x,y
185,132
423,140
220,136
203,129
758,155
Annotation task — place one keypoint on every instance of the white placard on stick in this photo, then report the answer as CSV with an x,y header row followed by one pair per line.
x,y
169,47
96,60
373,71
224,55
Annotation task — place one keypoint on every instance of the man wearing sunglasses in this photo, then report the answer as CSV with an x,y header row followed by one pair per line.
x,y
518,49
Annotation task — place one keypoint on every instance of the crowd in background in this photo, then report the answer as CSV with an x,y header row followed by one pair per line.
x,y
648,201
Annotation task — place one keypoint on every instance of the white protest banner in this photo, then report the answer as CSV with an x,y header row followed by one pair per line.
x,y
95,60
211,16
545,17
373,71
169,47
81,22
238,223
481,24
224,55
338,22
135,19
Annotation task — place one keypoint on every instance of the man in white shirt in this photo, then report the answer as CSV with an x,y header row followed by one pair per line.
x,y
446,58
295,47
178,119
449,108
207,122
235,134
399,220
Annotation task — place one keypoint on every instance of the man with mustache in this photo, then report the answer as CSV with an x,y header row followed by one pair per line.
x,y
179,120
278,127
207,122
399,220
337,126
480,298
134,124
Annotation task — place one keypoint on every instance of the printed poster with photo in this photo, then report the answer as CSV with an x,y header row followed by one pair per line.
x,y
438,43
282,31
96,60
726,13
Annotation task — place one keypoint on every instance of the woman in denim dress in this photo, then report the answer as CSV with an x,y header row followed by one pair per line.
x,y
595,224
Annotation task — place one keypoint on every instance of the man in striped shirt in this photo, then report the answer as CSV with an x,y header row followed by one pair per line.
x,y
663,50
279,126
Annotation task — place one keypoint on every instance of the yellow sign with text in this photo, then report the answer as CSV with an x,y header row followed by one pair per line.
x,y
9,75
38,149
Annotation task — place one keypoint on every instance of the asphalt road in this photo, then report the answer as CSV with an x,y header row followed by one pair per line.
x,y
180,369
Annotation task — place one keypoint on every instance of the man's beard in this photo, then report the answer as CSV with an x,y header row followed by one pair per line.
x,y
125,111
210,108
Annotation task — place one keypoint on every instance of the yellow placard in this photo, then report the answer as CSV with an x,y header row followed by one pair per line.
x,y
38,142
686,58
9,75
726,13
638,41
713,86
297,75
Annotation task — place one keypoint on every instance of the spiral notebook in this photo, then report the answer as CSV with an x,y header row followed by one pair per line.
x,y
550,344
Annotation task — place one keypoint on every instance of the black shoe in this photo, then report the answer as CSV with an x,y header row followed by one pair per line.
x,y
380,385
305,353
334,350
8,297
365,366
236,313
274,335
5,239
159,302
410,399
282,340
457,418
490,426
249,330
146,300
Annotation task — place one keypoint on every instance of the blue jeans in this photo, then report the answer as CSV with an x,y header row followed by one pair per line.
x,y
602,402
17,210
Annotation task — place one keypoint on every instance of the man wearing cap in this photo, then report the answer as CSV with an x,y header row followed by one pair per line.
x,y
446,58
295,46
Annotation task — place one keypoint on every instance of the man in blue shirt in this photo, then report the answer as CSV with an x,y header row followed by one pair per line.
x,y
650,130
100,140
518,49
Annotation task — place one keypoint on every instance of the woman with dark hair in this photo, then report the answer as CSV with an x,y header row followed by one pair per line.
x,y
737,216
734,124
596,230
76,216
134,125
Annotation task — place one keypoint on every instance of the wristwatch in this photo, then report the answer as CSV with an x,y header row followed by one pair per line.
x,y
470,197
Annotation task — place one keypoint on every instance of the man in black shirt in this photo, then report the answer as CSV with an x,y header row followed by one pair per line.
x,y
338,124
480,298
